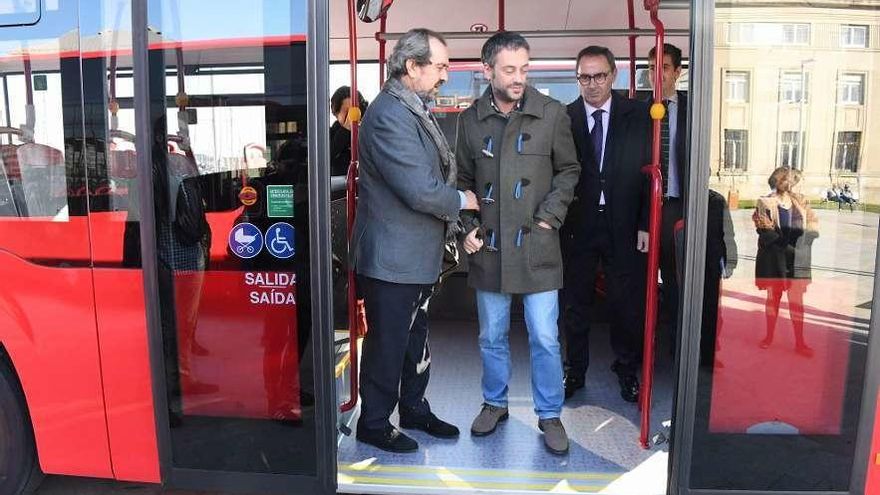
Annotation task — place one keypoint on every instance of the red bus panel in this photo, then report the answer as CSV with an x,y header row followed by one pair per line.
x,y
122,328
48,317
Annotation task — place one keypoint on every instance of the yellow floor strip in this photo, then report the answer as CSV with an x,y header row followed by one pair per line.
x,y
438,483
358,469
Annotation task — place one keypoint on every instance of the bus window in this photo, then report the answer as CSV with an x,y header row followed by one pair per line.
x,y
21,12
790,258
42,180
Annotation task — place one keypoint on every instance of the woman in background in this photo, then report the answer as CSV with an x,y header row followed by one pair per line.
x,y
786,228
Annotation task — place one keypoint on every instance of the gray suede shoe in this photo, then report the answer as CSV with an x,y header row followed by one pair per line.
x,y
486,422
554,435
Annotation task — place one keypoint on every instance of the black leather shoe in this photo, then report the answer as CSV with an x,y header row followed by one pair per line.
x,y
430,424
389,439
629,388
572,384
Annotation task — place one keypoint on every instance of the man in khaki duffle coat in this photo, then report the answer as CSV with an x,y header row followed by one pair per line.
x,y
516,152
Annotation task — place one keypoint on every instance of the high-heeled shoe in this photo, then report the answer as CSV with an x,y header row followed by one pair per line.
x,y
765,343
804,350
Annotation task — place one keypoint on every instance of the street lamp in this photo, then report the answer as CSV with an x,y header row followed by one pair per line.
x,y
803,96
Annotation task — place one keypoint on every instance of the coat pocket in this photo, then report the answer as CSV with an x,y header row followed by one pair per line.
x,y
544,249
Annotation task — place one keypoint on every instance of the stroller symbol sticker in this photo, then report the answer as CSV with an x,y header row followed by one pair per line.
x,y
280,240
245,240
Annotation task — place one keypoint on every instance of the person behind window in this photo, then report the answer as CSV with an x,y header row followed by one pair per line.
x,y
340,132
787,227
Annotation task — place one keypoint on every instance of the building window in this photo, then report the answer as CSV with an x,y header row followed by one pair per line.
x,y
795,34
792,87
789,149
768,33
736,149
852,89
847,151
741,33
737,86
853,36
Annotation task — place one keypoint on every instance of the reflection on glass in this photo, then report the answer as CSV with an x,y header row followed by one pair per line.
x,y
778,405
42,174
230,185
786,227
19,6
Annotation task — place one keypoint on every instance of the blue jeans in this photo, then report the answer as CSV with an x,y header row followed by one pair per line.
x,y
541,311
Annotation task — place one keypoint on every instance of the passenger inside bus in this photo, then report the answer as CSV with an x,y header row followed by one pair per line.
x,y
598,416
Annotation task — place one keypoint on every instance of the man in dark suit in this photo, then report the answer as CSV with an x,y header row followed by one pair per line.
x,y
607,221
406,201
674,166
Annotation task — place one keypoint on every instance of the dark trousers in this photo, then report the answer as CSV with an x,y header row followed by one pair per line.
x,y
671,213
396,362
625,289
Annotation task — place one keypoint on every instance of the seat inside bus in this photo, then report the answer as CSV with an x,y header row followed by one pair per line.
x,y
34,181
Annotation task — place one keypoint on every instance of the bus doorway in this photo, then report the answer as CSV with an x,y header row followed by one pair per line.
x,y
605,455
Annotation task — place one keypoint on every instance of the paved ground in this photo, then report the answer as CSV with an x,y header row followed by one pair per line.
x,y
845,251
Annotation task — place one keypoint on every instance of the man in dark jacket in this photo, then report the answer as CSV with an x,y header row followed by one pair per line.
x,y
607,221
514,147
674,167
406,200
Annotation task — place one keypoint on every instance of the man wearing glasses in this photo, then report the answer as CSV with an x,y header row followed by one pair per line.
x,y
407,206
514,149
607,221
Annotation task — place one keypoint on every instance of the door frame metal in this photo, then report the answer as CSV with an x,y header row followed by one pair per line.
x,y
321,294
702,75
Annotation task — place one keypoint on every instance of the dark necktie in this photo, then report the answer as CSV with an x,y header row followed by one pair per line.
x,y
596,136
664,148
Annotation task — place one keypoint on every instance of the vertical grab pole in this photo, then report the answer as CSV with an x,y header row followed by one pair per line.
x,y
653,170
630,10
501,15
354,115
380,37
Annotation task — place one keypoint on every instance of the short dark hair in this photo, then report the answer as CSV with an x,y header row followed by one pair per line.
x,y
505,40
673,51
597,51
414,45
341,93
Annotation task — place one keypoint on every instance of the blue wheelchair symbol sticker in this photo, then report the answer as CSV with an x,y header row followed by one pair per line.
x,y
245,240
280,240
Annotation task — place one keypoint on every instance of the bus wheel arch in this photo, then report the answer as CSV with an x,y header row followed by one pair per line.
x,y
19,474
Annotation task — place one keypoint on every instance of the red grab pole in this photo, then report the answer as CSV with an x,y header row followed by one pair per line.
x,y
354,114
501,15
653,170
380,37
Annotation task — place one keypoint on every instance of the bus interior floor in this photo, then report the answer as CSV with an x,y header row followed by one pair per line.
x,y
603,429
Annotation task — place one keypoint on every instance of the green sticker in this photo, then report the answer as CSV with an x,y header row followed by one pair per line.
x,y
280,201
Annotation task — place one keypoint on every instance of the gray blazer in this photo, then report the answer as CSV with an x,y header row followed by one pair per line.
x,y
403,200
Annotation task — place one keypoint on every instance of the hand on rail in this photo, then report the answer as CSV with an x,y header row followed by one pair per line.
x,y
472,243
342,118
642,241
652,4
471,201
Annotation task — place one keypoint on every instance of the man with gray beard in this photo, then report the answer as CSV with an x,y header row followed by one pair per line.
x,y
407,208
